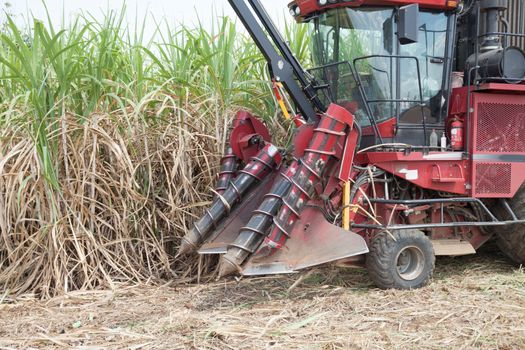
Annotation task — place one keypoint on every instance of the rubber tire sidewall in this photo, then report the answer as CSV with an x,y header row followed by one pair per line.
x,y
511,239
381,264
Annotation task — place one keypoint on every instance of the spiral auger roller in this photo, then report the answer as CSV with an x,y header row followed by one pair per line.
x,y
274,221
249,143
229,163
259,221
267,160
252,235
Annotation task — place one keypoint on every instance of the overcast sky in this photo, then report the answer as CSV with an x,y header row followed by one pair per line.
x,y
175,11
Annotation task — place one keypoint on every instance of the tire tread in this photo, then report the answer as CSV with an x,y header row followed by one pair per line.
x,y
512,241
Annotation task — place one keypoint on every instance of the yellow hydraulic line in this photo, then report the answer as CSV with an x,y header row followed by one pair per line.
x,y
284,97
346,205
279,97
285,111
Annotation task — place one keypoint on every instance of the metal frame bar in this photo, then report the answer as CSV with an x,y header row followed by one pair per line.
x,y
449,57
501,34
442,223
354,75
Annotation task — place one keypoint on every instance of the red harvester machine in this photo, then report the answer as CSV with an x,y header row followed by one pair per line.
x,y
410,142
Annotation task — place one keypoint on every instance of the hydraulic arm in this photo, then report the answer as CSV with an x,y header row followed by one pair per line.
x,y
283,65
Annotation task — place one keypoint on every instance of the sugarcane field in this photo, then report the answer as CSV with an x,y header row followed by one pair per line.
x,y
262,174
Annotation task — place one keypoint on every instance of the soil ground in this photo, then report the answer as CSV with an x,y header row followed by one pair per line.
x,y
473,302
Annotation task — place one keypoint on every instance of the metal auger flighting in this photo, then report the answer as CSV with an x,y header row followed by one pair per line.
x,y
255,231
311,171
229,161
300,182
266,161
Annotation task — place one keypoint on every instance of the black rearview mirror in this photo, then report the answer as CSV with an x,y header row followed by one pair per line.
x,y
387,35
408,24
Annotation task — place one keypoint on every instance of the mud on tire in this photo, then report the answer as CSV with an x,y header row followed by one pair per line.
x,y
511,239
404,263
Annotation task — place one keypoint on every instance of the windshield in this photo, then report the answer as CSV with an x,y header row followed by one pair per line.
x,y
365,39
344,35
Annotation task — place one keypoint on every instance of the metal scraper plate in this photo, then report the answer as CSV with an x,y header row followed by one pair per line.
x,y
228,230
313,241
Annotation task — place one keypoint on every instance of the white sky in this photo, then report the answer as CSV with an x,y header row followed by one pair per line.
x,y
174,11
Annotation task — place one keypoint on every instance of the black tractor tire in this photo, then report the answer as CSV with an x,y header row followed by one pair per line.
x,y
511,239
404,261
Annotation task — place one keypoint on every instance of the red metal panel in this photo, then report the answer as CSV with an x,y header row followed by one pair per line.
x,y
506,88
348,156
458,97
440,171
313,241
493,178
497,179
310,6
500,125
458,101
498,142
431,4
497,123
387,128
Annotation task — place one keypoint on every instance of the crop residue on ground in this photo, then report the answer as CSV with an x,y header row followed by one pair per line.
x,y
473,302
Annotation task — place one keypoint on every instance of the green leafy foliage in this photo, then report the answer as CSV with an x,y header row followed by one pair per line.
x,y
109,144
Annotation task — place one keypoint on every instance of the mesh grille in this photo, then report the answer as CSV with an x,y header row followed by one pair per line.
x,y
499,126
493,178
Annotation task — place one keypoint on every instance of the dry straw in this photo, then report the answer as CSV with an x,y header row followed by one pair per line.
x,y
109,146
475,302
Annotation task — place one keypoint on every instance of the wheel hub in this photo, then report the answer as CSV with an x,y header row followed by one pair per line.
x,y
410,263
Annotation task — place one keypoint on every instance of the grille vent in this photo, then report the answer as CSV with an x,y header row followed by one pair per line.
x,y
493,178
500,128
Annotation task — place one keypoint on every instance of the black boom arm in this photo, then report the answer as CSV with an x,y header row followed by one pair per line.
x,y
283,65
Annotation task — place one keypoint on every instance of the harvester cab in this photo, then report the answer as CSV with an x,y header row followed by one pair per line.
x,y
409,142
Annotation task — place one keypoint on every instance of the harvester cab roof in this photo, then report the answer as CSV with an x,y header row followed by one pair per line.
x,y
408,142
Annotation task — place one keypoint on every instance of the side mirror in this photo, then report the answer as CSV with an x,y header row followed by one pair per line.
x,y
387,35
408,24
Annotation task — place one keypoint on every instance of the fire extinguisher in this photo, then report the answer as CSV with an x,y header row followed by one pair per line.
x,y
456,135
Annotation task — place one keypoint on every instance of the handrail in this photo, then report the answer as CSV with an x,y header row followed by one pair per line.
x,y
421,101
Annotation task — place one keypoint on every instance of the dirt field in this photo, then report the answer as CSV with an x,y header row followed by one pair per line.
x,y
473,302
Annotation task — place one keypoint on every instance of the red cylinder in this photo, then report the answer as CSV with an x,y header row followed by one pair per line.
x,y
456,135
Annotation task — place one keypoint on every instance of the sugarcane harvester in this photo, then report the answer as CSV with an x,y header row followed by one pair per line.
x,y
409,142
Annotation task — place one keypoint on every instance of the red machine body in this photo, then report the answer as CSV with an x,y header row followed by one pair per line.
x,y
397,163
307,7
496,164
496,125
